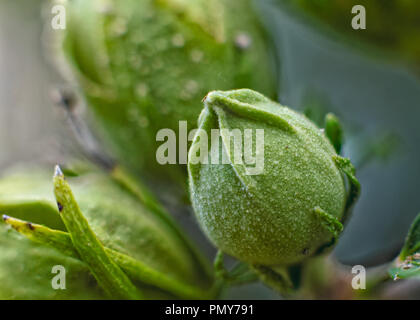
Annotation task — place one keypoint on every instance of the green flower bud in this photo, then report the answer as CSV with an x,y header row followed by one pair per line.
x,y
144,65
283,214
147,250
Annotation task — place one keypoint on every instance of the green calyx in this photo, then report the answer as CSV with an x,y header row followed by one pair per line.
x,y
144,65
289,211
109,242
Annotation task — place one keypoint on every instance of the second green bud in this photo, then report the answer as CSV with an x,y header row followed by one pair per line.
x,y
145,65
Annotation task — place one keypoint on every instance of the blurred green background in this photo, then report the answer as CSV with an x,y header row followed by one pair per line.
x,y
371,96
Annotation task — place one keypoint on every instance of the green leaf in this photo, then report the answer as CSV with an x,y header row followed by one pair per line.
x,y
120,222
412,242
408,263
406,270
26,271
109,276
54,238
136,270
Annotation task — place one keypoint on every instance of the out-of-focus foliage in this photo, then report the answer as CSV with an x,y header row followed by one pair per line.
x,y
119,221
146,65
408,264
390,25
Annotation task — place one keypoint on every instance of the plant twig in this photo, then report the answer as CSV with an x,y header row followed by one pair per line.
x,y
108,275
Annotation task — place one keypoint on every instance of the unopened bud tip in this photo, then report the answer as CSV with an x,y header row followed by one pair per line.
x,y
58,172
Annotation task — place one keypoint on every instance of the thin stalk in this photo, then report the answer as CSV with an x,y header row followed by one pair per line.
x,y
106,272
135,269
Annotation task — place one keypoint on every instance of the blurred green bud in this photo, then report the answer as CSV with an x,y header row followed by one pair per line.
x,y
145,65
290,210
155,259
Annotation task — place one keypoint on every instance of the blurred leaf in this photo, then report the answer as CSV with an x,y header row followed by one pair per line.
x,y
118,219
408,265
412,243
381,147
316,106
391,32
409,269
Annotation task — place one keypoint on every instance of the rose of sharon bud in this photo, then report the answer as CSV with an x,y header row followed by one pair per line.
x,y
288,211
145,65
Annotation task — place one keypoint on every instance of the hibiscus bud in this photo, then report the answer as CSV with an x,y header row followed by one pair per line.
x,y
145,65
282,214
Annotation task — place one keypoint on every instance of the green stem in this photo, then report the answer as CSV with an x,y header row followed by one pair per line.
x,y
108,275
135,269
